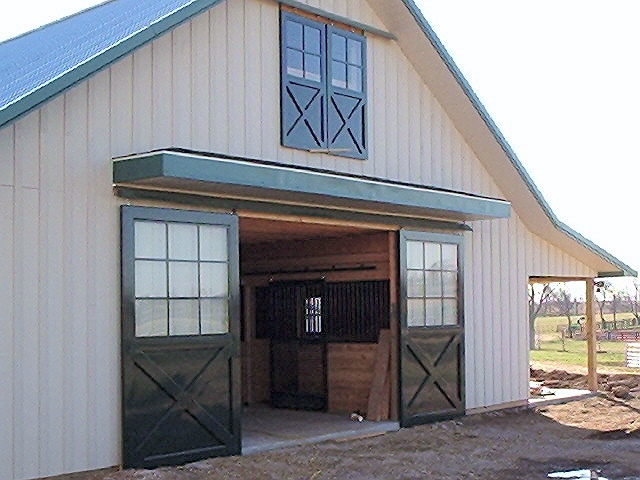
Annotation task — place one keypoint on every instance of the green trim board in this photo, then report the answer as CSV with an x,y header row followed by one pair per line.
x,y
235,205
215,175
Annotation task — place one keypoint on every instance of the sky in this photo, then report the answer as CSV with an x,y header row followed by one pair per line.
x,y
560,79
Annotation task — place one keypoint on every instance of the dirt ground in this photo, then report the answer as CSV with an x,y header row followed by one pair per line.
x,y
601,433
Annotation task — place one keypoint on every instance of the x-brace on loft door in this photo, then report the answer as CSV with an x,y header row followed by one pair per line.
x,y
180,334
432,342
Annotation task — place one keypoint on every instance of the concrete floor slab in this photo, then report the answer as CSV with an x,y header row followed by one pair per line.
x,y
560,395
265,428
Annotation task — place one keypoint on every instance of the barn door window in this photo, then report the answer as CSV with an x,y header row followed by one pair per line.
x,y
181,279
323,85
432,281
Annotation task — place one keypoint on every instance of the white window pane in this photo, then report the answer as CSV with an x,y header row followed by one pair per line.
x,y
339,47
312,67
183,317
214,280
294,63
213,243
151,278
151,318
214,314
355,78
415,313
449,256
150,240
339,74
354,52
415,255
183,241
294,34
450,312
183,279
433,312
449,284
311,40
432,256
433,284
415,283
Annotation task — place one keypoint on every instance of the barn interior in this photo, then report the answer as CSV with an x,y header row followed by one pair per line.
x,y
315,335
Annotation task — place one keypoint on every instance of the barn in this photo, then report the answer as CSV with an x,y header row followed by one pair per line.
x,y
208,205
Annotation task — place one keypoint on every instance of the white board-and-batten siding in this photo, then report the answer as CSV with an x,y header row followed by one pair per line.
x,y
212,84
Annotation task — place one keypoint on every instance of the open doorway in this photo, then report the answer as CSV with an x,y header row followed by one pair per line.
x,y
316,298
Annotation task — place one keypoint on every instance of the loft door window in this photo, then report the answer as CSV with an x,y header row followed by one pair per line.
x,y
181,279
323,96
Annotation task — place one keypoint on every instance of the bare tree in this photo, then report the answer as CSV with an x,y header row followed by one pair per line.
x,y
537,299
565,305
602,295
632,298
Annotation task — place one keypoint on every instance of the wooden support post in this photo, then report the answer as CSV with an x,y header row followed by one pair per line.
x,y
592,373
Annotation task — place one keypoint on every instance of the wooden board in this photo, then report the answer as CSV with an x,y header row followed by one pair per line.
x,y
349,372
378,403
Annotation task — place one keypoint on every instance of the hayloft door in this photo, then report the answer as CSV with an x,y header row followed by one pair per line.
x,y
180,333
432,348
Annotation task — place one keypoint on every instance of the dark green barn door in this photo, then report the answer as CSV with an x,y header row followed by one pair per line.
x,y
180,333
432,348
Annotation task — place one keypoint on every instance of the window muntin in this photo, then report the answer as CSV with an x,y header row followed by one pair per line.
x,y
181,279
432,284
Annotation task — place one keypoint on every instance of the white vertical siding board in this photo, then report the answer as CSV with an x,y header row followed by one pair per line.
x,y
270,79
235,69
200,74
219,78
377,102
507,266
513,318
7,150
181,69
27,157
413,136
7,320
436,143
470,327
446,160
76,172
497,340
52,289
29,338
391,115
456,160
162,86
425,136
404,107
522,312
142,97
103,274
121,106
253,80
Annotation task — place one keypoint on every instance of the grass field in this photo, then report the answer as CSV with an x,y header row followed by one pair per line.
x,y
551,350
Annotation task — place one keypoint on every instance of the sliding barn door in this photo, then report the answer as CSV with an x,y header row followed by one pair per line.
x,y
180,333
432,348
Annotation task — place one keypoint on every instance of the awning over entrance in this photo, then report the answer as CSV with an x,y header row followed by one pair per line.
x,y
203,174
